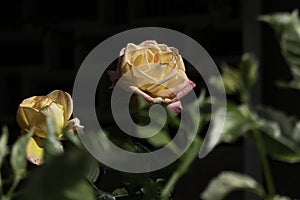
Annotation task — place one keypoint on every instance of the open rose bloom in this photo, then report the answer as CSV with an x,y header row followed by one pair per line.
x,y
154,71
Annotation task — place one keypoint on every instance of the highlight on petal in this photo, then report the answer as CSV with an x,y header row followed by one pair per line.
x,y
35,152
65,100
40,120
74,125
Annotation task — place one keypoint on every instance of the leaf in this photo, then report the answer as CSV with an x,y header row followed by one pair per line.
x,y
120,192
81,190
18,157
277,197
100,195
230,77
237,122
248,68
93,172
52,145
62,175
227,182
160,139
287,28
281,136
278,147
3,145
150,190
3,150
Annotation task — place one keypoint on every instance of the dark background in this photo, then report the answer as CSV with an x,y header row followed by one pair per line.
x,y
42,44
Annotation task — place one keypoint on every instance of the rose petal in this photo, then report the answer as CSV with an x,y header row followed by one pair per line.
x,y
55,111
65,100
35,152
24,117
74,125
175,107
41,102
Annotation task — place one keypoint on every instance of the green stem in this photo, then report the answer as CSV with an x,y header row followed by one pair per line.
x,y
184,165
265,163
12,188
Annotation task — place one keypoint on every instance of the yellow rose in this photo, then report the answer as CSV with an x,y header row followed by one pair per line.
x,y
33,113
155,71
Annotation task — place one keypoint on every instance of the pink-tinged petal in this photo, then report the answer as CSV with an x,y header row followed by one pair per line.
x,y
175,107
139,92
182,91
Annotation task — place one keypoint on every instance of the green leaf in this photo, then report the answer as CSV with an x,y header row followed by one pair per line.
x,y
18,157
52,145
248,68
150,190
100,195
277,197
281,136
227,182
3,145
93,172
287,28
237,122
231,78
278,147
160,139
81,190
120,192
62,175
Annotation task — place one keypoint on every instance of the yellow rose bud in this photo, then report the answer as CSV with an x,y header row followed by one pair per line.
x,y
33,113
155,71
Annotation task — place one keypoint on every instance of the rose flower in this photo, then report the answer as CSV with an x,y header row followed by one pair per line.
x,y
33,113
154,71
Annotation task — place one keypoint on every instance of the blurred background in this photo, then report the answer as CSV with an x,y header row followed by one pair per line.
x,y
42,44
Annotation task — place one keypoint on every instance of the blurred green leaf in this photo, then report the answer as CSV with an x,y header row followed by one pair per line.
x,y
81,190
120,192
281,135
3,145
227,182
151,190
93,172
238,80
62,175
100,195
160,139
3,151
248,67
18,157
237,122
231,78
73,139
133,182
52,145
277,197
287,28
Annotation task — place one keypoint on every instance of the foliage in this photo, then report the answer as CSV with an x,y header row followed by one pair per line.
x,y
287,28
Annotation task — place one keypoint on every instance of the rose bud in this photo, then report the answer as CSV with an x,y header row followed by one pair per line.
x,y
33,113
